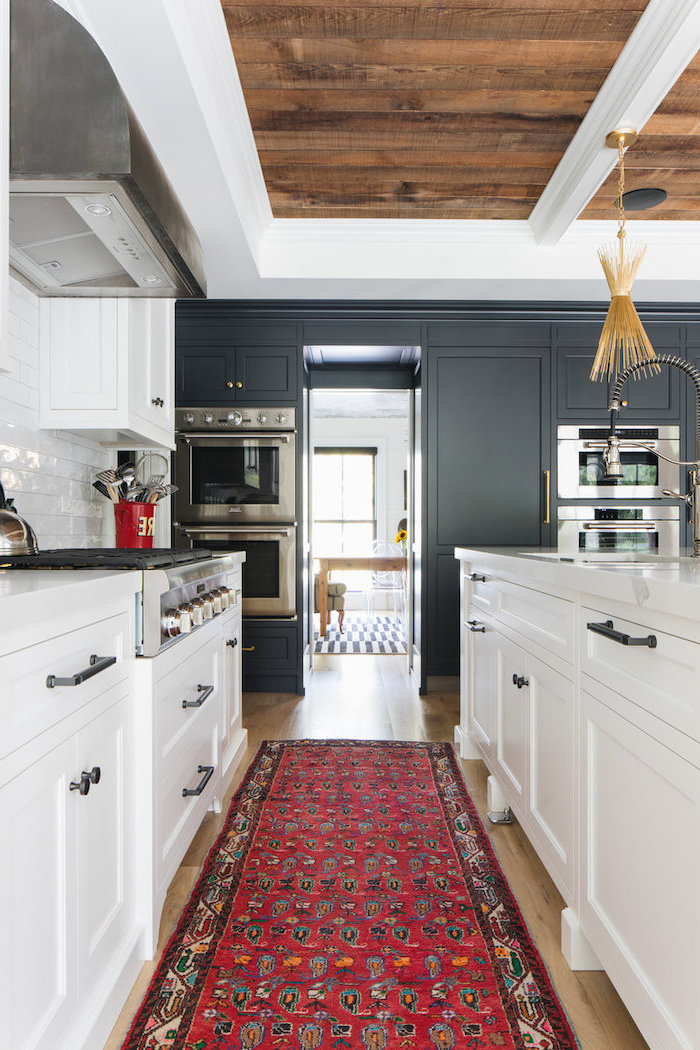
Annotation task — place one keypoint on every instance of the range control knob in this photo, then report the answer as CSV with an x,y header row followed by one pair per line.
x,y
197,606
208,418
281,418
207,606
234,418
216,602
262,418
189,418
184,616
170,623
225,598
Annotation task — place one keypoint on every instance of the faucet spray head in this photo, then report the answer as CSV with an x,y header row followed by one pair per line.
x,y
611,458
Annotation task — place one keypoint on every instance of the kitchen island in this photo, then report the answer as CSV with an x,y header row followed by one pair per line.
x,y
580,690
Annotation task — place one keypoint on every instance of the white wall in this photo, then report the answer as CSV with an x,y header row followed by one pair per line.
x,y
48,472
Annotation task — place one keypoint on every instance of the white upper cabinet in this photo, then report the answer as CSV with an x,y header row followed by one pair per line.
x,y
108,370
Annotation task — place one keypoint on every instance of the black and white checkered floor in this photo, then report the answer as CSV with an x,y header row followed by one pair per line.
x,y
380,634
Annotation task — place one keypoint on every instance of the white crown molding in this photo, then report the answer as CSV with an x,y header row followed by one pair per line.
x,y
664,41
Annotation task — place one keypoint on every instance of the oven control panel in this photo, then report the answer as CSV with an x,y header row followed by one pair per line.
x,y
188,420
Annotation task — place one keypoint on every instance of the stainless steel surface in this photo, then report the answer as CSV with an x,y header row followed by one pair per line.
x,y
92,212
173,602
692,498
222,419
16,535
576,441
579,530
224,539
199,429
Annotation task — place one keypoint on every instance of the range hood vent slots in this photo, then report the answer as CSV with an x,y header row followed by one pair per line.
x,y
91,210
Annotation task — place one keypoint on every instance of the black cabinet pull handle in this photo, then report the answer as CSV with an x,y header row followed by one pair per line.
x,y
86,779
475,626
205,690
208,771
520,680
477,577
233,642
608,631
97,664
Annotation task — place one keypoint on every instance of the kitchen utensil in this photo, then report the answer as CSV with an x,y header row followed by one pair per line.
x,y
16,535
154,480
108,476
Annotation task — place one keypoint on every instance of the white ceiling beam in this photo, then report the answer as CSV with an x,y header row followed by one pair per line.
x,y
664,41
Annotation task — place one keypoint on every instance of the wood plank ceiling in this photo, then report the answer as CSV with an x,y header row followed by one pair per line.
x,y
666,155
454,110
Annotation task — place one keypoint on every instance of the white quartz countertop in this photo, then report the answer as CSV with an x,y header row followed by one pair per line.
x,y
655,582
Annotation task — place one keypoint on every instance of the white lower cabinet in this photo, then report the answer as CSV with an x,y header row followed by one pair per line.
x,y
67,871
640,906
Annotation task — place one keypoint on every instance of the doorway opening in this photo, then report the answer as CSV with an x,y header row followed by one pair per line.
x,y
360,473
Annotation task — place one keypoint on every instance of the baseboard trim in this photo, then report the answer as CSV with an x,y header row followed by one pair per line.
x,y
443,683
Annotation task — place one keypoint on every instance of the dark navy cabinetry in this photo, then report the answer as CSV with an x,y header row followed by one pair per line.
x,y
495,381
489,446
578,399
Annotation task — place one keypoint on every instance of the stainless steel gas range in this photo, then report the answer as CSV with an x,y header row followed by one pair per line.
x,y
181,591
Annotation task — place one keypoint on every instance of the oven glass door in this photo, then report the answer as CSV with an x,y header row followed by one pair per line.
x,y
221,477
645,475
269,569
621,530
621,539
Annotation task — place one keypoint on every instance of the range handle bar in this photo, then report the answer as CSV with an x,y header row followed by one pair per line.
x,y
607,629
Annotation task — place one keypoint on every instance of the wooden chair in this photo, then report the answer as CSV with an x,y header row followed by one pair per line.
x,y
336,600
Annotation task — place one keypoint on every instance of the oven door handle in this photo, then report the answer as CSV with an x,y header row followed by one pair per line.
x,y
255,531
621,526
219,435
600,446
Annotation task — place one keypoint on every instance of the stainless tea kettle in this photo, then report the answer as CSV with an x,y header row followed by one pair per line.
x,y
16,535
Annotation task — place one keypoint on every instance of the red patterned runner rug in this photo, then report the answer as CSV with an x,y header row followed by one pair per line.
x,y
352,900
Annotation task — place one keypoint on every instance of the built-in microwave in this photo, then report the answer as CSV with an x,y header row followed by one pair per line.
x,y
235,466
581,469
269,569
618,528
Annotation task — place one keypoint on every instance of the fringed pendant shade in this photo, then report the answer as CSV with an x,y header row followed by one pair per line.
x,y
623,341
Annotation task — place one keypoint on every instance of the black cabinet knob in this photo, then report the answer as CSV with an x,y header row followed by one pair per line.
x,y
520,680
233,642
86,779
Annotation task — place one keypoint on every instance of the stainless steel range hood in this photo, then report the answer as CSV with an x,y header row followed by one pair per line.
x,y
91,210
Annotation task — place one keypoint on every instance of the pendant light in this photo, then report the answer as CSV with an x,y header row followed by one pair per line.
x,y
623,341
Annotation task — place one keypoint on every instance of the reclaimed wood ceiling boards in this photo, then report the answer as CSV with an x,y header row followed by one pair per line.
x,y
666,154
452,110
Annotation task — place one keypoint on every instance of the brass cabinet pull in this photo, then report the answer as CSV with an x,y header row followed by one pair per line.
x,y
547,495
239,385
248,648
229,384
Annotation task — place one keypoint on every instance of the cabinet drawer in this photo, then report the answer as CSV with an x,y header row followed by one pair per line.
x,y
177,816
662,680
480,589
188,683
269,649
28,706
542,618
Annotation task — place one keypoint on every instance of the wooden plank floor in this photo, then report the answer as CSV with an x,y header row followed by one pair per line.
x,y
371,698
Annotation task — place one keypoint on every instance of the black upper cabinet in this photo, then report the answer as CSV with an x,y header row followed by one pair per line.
x,y
580,399
240,375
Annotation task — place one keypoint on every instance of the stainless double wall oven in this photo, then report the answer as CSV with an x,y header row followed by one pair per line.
x,y
625,516
236,477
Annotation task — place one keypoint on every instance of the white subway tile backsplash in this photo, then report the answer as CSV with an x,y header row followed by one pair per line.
x,y
49,473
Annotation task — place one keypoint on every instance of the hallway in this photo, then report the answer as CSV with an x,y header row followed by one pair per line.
x,y
371,697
